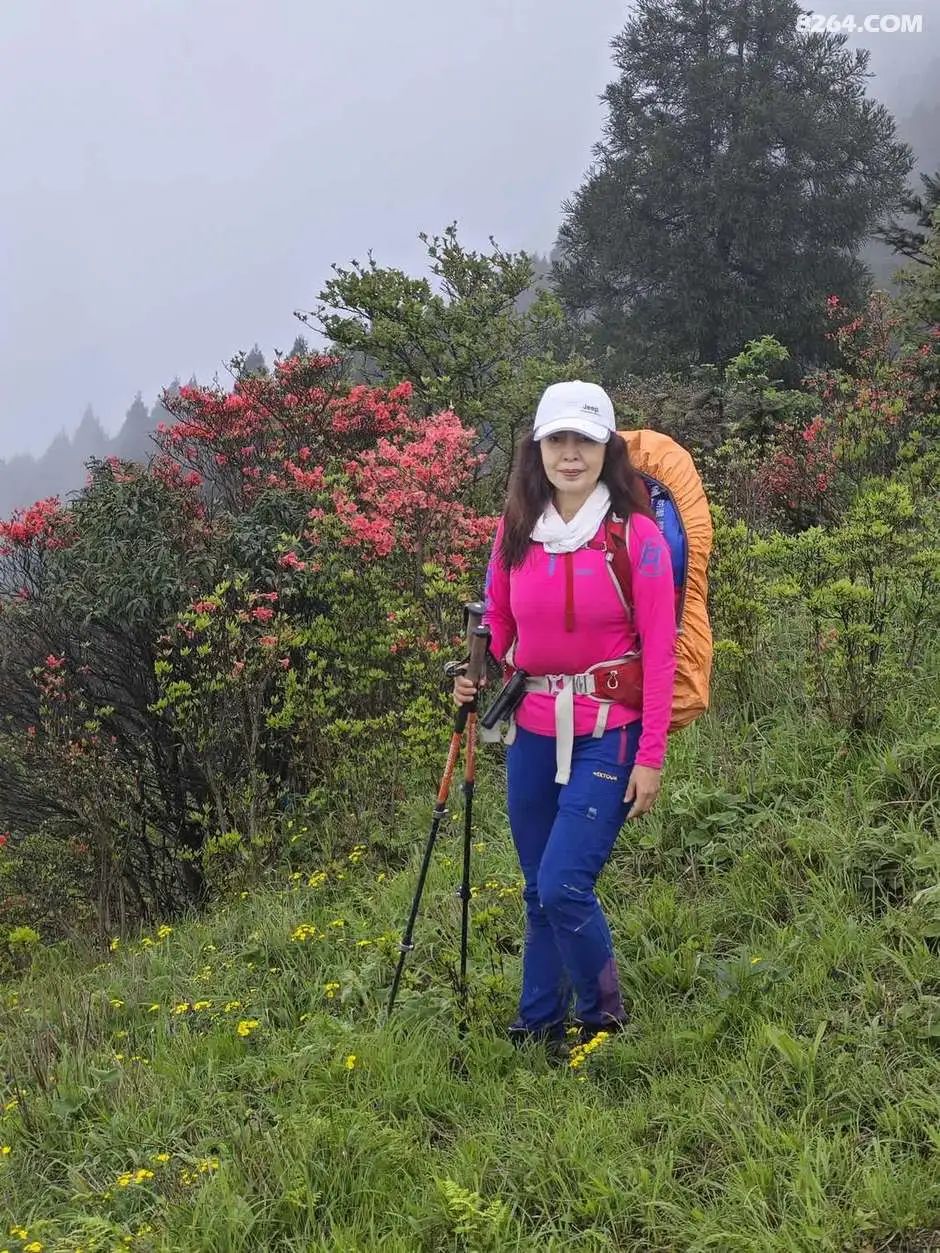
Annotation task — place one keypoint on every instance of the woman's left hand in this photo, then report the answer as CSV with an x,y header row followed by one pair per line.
x,y
642,789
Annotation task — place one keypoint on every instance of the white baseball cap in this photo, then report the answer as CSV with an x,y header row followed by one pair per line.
x,y
575,406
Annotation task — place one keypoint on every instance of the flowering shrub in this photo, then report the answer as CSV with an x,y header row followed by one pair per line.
x,y
197,646
868,412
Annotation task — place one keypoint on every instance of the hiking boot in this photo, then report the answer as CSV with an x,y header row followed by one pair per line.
x,y
588,1030
550,1034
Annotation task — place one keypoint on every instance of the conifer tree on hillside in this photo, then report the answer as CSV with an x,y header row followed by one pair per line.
x,y
741,167
90,438
251,363
911,241
132,442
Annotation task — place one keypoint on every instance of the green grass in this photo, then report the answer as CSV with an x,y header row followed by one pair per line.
x,y
780,1090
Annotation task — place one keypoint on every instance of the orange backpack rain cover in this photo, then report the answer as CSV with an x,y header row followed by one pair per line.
x,y
661,458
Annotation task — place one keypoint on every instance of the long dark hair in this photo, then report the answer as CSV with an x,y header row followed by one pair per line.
x,y
530,492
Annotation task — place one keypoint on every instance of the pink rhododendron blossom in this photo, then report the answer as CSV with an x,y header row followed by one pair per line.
x,y
43,525
407,492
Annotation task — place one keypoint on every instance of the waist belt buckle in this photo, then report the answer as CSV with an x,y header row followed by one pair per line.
x,y
556,683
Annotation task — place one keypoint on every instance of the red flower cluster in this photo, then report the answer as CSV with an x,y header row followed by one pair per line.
x,y
45,525
406,493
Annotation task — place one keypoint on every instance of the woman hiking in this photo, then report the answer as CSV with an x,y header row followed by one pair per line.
x,y
576,765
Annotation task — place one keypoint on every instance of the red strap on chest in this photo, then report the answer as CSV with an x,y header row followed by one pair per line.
x,y
569,591
617,545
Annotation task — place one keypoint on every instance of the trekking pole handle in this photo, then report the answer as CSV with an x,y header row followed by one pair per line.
x,y
473,613
479,642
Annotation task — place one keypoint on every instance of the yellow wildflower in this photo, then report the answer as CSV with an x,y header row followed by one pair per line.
x,y
351,1061
127,1177
755,960
230,1005
331,989
114,945
247,1025
160,1157
181,1008
305,931
380,878
197,1005
317,879
146,942
34,1246
116,1002
163,931
338,922
5,1150
20,1232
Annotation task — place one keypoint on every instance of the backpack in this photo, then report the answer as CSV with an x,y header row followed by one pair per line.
x,y
679,505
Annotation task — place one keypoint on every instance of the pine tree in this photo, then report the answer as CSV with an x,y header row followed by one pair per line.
x,y
252,363
907,241
160,413
920,300
741,166
132,442
90,438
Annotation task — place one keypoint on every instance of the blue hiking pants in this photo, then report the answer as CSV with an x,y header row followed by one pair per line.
x,y
564,834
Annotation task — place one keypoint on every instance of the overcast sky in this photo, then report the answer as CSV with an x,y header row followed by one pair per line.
x,y
178,175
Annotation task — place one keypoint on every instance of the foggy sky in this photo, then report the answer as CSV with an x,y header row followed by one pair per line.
x,y
178,175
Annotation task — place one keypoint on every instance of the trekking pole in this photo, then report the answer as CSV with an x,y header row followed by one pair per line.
x,y
479,639
474,614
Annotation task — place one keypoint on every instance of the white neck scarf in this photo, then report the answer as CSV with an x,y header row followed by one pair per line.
x,y
559,536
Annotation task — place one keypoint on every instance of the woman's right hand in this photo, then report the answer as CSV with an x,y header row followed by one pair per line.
x,y
465,689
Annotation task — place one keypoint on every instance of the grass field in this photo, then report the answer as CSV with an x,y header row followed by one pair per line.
x,y
229,1083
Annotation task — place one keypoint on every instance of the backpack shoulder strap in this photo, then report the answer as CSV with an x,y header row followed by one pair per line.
x,y
618,547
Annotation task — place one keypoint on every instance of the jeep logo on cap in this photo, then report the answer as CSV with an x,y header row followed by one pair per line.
x,y
591,409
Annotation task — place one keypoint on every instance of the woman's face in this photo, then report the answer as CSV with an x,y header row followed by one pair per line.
x,y
573,464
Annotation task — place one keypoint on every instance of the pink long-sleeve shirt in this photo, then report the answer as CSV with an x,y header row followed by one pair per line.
x,y
527,604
